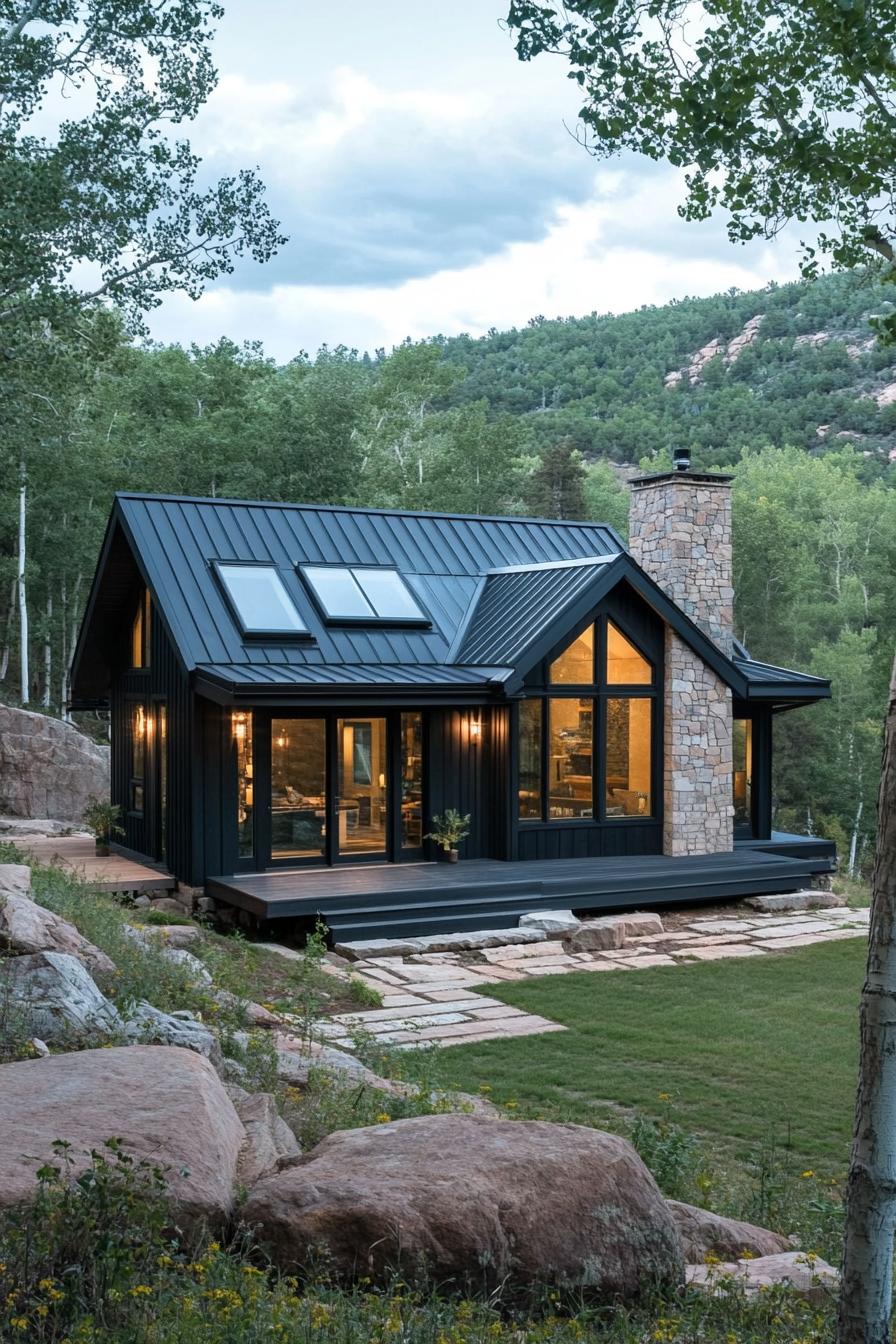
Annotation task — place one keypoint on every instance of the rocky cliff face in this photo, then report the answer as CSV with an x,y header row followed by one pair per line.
x,y
47,767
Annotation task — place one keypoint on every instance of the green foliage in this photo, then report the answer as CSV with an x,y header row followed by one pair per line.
x,y
775,118
556,488
91,1262
668,1150
448,829
102,819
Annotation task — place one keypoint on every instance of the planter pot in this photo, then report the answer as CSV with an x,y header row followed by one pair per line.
x,y
102,849
450,855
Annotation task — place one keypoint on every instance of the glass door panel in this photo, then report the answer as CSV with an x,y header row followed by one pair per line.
x,y
743,776
298,788
362,788
412,781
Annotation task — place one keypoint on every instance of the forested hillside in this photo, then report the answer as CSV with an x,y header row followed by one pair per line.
x,y
791,365
786,387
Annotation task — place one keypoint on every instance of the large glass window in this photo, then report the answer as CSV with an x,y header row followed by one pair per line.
x,y
412,781
245,784
743,774
564,783
628,757
571,768
625,665
575,666
530,760
260,600
298,788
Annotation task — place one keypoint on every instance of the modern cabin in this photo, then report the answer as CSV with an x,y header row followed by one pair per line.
x,y
296,692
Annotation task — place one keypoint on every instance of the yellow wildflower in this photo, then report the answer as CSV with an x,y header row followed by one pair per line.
x,y
141,1290
383,1118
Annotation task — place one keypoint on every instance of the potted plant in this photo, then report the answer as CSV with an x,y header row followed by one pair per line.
x,y
448,829
101,819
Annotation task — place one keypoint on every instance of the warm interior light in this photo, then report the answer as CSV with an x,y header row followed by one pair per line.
x,y
282,741
140,723
382,781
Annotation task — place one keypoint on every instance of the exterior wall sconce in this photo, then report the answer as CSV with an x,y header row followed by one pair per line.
x,y
476,726
140,722
239,727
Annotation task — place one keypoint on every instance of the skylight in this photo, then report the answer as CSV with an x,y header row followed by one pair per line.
x,y
364,595
259,599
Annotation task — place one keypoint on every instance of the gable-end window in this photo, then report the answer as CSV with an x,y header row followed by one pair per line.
x,y
259,599
140,631
625,665
586,757
575,666
363,595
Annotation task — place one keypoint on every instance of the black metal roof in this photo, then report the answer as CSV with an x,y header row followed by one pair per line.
x,y
497,592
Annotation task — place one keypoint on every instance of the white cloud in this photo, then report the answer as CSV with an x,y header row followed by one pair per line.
x,y
593,257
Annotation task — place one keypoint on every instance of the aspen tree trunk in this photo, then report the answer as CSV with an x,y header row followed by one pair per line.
x,y
48,656
867,1291
23,598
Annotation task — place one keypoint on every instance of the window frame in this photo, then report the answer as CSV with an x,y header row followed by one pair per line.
x,y
420,622
303,635
599,692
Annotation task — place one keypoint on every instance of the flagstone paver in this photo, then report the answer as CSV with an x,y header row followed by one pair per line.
x,y
437,998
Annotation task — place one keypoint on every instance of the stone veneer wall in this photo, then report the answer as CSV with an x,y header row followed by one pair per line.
x,y
681,535
698,808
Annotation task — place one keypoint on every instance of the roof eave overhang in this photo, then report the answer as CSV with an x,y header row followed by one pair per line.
x,y
243,694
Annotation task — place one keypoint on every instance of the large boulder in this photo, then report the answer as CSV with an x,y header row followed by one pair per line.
x,y
47,767
57,999
466,1200
26,927
704,1233
167,1106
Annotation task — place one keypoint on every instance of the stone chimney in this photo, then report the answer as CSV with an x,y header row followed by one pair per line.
x,y
680,533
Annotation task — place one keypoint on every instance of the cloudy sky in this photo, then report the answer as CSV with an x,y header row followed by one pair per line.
x,y
429,183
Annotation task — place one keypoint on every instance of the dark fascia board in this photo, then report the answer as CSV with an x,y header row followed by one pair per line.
x,y
228,693
611,574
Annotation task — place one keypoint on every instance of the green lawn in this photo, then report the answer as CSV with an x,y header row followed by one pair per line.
x,y
751,1051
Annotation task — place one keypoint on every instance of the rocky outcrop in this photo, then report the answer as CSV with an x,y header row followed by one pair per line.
x,y
807,1275
57,1000
26,927
167,1106
465,1199
47,767
15,879
729,351
704,1233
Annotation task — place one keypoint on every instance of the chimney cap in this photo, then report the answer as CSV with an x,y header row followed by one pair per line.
x,y
693,477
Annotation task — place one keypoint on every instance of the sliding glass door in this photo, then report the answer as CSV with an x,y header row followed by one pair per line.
x,y
342,788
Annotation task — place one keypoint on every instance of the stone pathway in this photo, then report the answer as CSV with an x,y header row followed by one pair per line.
x,y
436,996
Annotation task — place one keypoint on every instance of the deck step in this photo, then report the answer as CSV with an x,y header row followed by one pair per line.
x,y
390,901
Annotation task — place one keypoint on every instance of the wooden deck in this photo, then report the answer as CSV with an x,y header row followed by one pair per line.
x,y
385,900
77,854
